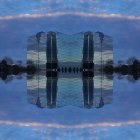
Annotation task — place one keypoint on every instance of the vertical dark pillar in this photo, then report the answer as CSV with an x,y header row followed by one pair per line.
x,y
51,69
51,89
88,91
51,51
51,54
88,47
88,54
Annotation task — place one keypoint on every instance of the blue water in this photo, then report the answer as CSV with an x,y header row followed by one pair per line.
x,y
21,120
119,119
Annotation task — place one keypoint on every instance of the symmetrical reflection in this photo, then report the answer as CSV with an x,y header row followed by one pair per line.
x,y
81,92
72,70
69,69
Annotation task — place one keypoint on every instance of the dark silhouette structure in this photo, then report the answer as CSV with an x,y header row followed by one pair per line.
x,y
53,56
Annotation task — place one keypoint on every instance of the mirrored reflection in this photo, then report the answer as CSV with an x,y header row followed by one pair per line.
x,y
49,92
69,69
65,70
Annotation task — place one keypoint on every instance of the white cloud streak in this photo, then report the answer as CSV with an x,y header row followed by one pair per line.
x,y
57,14
37,124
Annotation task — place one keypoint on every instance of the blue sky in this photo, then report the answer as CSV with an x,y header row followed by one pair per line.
x,y
14,7
124,31
14,32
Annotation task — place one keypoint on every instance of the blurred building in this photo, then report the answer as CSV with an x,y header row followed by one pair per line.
x,y
70,69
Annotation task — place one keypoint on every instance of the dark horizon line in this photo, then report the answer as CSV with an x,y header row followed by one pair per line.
x,y
123,69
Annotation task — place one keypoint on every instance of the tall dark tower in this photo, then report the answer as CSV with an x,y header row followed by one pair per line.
x,y
69,69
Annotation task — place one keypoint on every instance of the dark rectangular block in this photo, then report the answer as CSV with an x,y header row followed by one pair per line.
x,y
51,74
88,74
88,65
51,65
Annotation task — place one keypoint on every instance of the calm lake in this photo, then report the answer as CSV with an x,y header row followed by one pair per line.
x,y
24,117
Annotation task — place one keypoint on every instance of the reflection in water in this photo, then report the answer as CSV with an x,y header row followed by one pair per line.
x,y
81,92
69,69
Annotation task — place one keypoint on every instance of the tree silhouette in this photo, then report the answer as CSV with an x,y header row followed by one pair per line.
x,y
8,60
131,60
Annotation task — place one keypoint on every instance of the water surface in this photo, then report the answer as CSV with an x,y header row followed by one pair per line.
x,y
120,119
